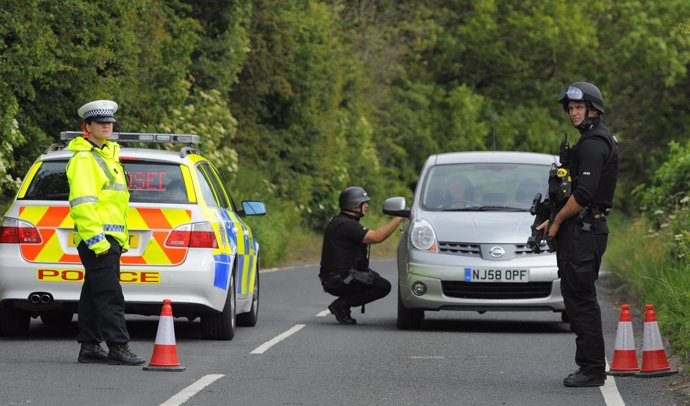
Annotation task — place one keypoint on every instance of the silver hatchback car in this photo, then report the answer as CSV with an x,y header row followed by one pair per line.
x,y
465,244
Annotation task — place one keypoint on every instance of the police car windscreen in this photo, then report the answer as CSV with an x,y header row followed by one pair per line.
x,y
149,182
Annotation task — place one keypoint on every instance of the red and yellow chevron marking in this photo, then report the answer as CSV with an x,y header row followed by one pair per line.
x,y
160,221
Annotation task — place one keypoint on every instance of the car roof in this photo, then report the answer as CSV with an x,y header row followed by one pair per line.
x,y
492,157
125,153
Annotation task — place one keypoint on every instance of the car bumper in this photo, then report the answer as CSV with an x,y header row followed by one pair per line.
x,y
191,284
443,277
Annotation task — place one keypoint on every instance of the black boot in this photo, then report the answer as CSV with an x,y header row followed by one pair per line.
x,y
120,354
341,311
92,353
581,378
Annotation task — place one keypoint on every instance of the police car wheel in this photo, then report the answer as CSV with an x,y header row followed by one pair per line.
x,y
13,322
409,319
221,325
250,318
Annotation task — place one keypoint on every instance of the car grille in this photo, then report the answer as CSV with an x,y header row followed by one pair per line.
x,y
523,249
459,248
479,290
474,250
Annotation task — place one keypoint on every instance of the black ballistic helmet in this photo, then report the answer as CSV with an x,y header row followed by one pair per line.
x,y
582,91
352,197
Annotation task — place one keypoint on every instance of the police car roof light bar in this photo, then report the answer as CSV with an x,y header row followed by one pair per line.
x,y
152,138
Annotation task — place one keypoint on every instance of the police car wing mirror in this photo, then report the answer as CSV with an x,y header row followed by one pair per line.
x,y
252,208
395,206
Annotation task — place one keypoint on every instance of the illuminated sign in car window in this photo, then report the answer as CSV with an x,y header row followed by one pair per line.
x,y
149,182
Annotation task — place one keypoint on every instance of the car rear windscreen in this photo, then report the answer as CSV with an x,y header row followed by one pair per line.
x,y
149,182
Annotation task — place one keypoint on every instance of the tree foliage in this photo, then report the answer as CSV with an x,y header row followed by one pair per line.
x,y
298,99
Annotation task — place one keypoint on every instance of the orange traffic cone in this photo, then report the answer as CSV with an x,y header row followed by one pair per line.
x,y
164,356
654,362
624,354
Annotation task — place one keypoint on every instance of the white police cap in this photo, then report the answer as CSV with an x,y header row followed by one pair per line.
x,y
102,111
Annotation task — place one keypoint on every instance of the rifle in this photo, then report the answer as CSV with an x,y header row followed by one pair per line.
x,y
542,212
560,189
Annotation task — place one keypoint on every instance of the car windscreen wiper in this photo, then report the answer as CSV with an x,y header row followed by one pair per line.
x,y
487,208
498,208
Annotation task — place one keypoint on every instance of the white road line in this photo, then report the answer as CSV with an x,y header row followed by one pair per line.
x,y
610,391
323,313
270,343
191,390
299,266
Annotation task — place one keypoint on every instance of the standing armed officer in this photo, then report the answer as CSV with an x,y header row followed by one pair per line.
x,y
580,228
98,199
344,257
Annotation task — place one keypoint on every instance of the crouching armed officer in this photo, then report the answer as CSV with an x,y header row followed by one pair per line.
x,y
345,268
98,199
580,228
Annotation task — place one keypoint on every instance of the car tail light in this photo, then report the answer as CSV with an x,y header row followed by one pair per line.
x,y
195,235
15,231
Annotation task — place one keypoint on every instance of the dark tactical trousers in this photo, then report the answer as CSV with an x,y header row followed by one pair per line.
x,y
357,293
579,259
101,304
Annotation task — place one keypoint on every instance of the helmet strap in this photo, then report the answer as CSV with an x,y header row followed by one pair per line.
x,y
587,123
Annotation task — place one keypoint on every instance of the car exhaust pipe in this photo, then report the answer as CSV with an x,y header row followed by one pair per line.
x,y
43,298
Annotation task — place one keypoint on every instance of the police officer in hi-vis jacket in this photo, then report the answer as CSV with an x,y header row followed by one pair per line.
x,y
98,201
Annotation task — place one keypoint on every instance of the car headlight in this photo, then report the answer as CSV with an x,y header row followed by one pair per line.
x,y
423,237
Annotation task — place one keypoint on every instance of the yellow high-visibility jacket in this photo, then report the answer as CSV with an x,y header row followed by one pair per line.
x,y
98,195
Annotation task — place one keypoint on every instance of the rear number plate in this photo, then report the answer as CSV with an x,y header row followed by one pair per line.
x,y
133,240
496,275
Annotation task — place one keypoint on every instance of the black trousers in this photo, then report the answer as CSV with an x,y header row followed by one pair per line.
x,y
357,294
101,304
578,267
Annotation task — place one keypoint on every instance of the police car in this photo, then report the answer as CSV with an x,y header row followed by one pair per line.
x,y
188,242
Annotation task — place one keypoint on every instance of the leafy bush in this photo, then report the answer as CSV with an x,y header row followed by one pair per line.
x,y
669,184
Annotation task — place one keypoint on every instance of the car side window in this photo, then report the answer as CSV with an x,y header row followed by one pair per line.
x,y
49,183
217,182
205,185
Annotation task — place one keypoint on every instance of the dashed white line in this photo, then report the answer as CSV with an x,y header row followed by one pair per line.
x,y
323,313
270,343
191,390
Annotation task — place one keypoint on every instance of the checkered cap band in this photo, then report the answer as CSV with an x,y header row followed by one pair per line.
x,y
99,113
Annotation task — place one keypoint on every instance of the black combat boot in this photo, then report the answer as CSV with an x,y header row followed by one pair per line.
x,y
341,311
120,354
92,353
581,378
